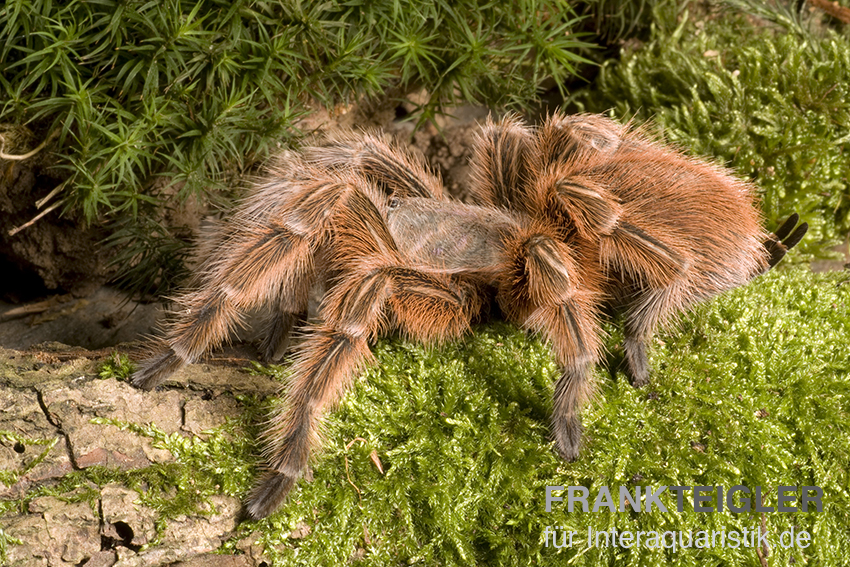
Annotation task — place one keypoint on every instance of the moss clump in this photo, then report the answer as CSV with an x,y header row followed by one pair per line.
x,y
147,95
118,366
750,389
773,105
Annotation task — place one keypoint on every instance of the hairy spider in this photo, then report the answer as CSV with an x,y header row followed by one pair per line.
x,y
574,217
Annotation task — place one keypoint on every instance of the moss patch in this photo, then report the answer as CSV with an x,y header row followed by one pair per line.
x,y
751,388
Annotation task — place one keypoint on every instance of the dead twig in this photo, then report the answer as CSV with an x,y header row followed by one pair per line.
x,y
41,202
24,310
833,9
29,154
16,230
38,204
347,447
763,552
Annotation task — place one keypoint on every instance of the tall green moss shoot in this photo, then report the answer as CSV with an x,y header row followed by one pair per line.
x,y
153,99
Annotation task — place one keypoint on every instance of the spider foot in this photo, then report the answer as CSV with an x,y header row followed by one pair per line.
x,y
155,370
637,363
567,432
268,494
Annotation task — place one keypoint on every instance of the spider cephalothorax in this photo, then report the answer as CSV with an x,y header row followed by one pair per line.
x,y
575,216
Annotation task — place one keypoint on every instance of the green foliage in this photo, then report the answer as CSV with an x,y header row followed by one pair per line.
x,y
751,388
154,99
6,541
148,255
616,19
223,463
119,367
775,106
10,477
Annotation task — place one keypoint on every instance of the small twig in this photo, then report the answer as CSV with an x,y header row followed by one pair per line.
x,y
347,447
32,308
38,204
39,307
15,231
229,360
833,9
41,202
27,155
376,461
763,552
762,559
350,443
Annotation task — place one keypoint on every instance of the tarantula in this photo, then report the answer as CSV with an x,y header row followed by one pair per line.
x,y
572,218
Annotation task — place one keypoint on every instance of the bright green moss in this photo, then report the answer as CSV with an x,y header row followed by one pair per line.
x,y
154,102
751,388
119,367
6,541
10,477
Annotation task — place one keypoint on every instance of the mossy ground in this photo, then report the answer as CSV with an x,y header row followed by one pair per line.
x,y
751,388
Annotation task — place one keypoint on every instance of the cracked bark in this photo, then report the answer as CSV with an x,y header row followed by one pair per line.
x,y
49,397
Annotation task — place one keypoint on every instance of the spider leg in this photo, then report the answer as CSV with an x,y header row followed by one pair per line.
x,y
324,366
499,167
577,202
584,206
579,179
557,299
640,255
573,331
568,142
711,267
637,362
650,309
391,168
279,327
375,290
265,257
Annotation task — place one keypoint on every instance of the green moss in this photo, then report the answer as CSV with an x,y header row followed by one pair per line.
x,y
222,463
772,104
8,477
751,388
118,366
156,99
6,541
